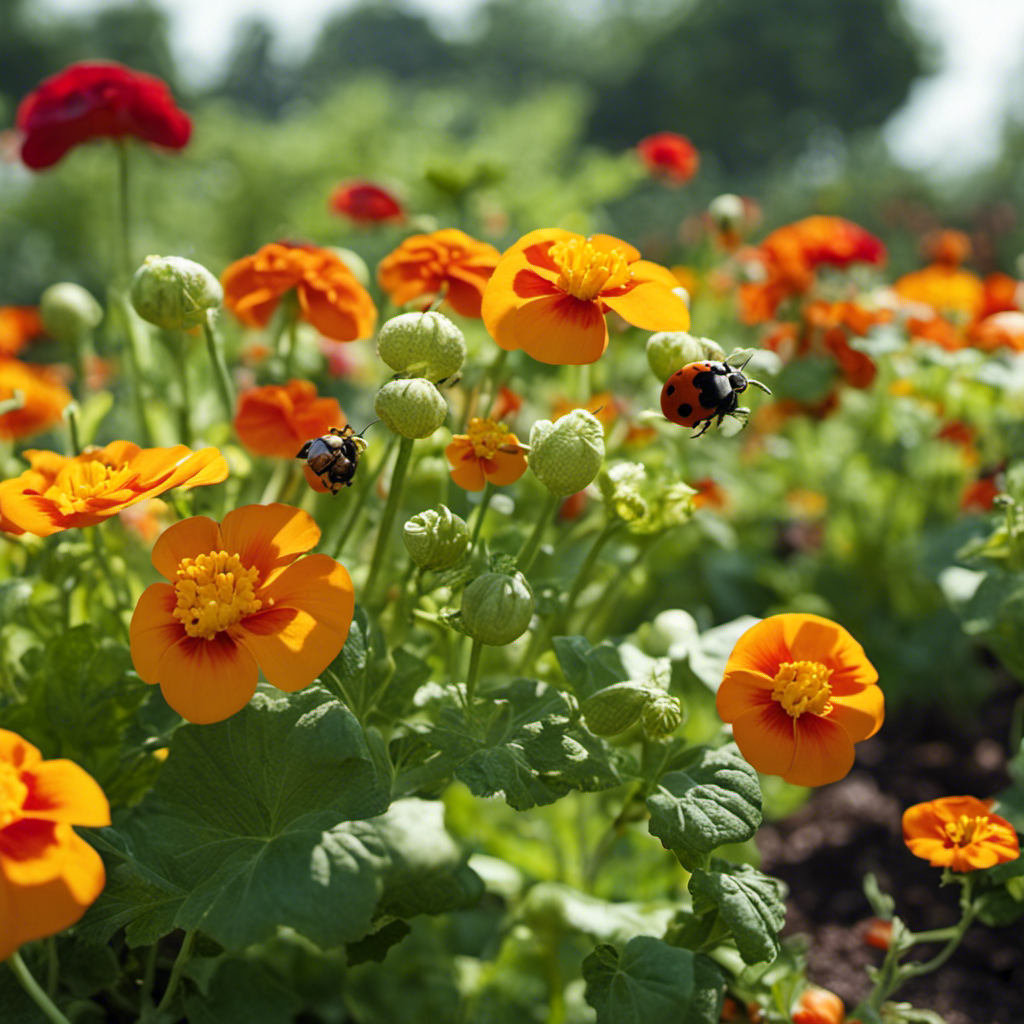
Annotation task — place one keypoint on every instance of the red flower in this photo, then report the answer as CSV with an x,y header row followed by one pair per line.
x,y
669,156
365,203
97,100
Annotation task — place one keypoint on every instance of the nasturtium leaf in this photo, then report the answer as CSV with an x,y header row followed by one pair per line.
x,y
411,672
362,669
242,990
588,669
652,983
713,800
749,902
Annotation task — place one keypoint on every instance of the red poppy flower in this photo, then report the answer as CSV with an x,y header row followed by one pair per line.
x,y
97,100
365,203
669,156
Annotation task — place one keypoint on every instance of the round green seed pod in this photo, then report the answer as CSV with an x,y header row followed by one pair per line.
x,y
422,345
662,715
436,539
566,455
69,312
615,708
411,407
174,293
667,351
497,608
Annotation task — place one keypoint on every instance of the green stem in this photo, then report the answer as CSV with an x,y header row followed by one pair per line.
x,y
373,599
293,344
564,615
481,512
180,360
32,987
494,375
367,481
528,552
123,211
221,376
179,965
132,326
473,673
52,966
74,441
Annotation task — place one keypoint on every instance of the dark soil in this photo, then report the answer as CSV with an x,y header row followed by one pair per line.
x,y
853,827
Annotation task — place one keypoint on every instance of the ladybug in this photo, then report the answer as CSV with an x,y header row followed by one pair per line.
x,y
334,456
700,392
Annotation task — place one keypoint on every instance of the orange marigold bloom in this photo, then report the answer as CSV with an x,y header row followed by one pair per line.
x,y
44,398
18,326
946,246
489,453
551,290
447,262
799,692
277,420
58,492
1001,294
949,291
239,600
960,833
329,296
48,875
818,1006
669,156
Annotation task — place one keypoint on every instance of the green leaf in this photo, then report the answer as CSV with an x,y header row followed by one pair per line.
x,y
749,902
361,671
882,903
240,992
374,947
652,983
588,669
411,672
713,800
18,1005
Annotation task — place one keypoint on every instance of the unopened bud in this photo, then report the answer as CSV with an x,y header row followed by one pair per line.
x,y
662,715
436,539
667,351
69,312
174,293
412,407
615,708
497,608
422,345
727,211
566,455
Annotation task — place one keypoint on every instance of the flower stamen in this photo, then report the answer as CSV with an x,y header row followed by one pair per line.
x,y
586,272
966,830
79,483
486,436
803,686
13,793
214,591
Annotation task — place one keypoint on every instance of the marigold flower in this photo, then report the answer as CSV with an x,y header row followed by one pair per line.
x,y
44,398
97,100
818,1006
329,296
799,692
48,875
447,262
277,420
489,453
239,600
948,290
669,156
1002,294
366,203
18,326
59,492
551,290
960,833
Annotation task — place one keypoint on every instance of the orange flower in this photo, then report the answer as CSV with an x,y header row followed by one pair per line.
x,y
278,420
603,406
446,262
18,326
818,1006
960,833
48,874
946,246
1001,294
238,601
878,933
506,403
487,454
551,290
58,492
329,296
710,494
948,290
1000,330
799,692
669,156
980,495
44,398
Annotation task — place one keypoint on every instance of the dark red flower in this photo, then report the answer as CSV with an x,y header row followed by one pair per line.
x,y
669,156
366,203
97,100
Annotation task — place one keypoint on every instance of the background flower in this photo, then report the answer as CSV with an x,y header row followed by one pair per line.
x,y
366,203
489,453
18,326
44,398
277,420
670,156
960,833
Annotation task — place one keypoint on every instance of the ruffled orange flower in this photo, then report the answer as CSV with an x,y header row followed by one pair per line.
x,y
818,1006
948,290
329,296
799,692
960,833
48,875
489,453
239,600
18,326
551,290
277,420
44,398
58,492
447,262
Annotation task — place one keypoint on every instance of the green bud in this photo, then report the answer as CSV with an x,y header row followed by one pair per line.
x,y
497,608
436,539
412,407
567,454
422,345
69,312
174,293
615,708
667,351
621,489
662,715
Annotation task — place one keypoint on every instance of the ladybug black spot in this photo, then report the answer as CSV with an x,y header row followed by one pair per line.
x,y
685,409
670,389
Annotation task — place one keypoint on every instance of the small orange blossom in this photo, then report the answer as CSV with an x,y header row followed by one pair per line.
x,y
489,453
43,398
960,833
277,420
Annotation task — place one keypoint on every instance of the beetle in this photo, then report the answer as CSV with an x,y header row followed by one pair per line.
x,y
706,392
334,456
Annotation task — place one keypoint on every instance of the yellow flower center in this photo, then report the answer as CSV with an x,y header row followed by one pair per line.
x,y
486,437
803,686
585,272
966,830
80,483
13,793
214,592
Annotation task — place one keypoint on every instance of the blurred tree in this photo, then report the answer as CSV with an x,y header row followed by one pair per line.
x,y
253,77
29,51
136,34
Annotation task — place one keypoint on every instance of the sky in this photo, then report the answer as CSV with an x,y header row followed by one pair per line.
x,y
950,125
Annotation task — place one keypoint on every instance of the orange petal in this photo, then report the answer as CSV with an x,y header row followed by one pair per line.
x,y
810,637
468,473
505,468
31,513
119,453
765,736
824,752
741,690
860,714
18,752
500,299
207,680
762,648
198,535
561,330
316,584
268,537
651,306
61,791
535,245
154,629
609,243
34,851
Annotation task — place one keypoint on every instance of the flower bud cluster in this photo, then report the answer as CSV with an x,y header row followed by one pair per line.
x,y
615,708
646,506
